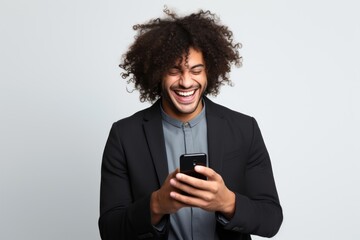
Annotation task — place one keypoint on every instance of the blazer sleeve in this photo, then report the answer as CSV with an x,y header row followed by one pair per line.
x,y
258,210
122,217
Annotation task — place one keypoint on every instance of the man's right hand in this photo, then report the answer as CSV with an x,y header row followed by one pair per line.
x,y
161,203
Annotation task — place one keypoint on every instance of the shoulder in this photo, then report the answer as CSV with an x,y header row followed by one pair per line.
x,y
224,112
138,118
231,121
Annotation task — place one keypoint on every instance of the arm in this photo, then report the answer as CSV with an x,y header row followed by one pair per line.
x,y
121,216
258,210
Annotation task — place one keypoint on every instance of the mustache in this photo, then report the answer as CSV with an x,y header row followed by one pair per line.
x,y
192,87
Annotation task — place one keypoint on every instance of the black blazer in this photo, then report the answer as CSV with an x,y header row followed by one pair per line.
x,y
134,165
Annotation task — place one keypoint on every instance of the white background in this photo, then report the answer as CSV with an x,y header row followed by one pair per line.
x,y
60,91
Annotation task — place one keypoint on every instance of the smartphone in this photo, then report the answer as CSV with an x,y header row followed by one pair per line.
x,y
189,161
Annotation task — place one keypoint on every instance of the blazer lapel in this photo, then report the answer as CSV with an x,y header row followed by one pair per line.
x,y
155,139
216,136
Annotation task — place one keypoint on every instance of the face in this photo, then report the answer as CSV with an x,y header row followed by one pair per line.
x,y
183,87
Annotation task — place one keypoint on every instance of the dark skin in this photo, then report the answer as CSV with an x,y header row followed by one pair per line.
x,y
211,195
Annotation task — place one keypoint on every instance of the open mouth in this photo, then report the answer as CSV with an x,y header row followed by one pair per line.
x,y
185,93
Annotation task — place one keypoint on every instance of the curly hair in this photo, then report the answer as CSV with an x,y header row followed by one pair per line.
x,y
160,43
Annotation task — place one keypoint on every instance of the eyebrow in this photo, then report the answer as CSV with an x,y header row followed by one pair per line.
x,y
198,65
195,66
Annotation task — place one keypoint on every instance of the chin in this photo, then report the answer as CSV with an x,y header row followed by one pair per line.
x,y
188,109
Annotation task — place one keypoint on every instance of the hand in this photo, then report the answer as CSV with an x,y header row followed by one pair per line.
x,y
161,203
211,195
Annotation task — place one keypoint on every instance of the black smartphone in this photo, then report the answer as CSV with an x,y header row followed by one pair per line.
x,y
189,161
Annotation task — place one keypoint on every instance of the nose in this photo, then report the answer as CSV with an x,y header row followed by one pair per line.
x,y
186,80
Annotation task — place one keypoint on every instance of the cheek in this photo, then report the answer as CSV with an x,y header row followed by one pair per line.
x,y
167,82
164,84
165,87
204,82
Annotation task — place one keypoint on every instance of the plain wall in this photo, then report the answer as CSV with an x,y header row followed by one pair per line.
x,y
60,91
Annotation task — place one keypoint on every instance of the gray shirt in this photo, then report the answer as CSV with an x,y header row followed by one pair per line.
x,y
188,223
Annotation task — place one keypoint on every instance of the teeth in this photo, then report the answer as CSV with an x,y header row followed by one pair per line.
x,y
185,94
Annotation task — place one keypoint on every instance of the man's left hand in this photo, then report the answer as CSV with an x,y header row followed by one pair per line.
x,y
210,195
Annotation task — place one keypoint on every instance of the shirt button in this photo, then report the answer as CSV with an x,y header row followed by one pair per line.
x,y
186,124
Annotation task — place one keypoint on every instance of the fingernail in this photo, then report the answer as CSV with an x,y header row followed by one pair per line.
x,y
197,167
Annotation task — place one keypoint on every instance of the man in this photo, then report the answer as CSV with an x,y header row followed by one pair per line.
x,y
177,62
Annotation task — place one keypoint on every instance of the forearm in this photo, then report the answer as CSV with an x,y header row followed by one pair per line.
x,y
259,217
131,222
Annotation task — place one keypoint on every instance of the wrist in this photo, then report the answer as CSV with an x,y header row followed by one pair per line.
x,y
229,206
155,209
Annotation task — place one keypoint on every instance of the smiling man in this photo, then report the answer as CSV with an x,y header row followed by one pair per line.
x,y
183,87
175,62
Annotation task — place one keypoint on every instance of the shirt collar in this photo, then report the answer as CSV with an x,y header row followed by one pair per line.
x,y
177,123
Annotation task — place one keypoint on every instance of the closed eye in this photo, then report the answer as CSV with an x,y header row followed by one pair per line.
x,y
174,72
196,72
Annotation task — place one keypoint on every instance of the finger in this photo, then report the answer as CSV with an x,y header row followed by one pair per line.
x,y
206,171
189,200
192,181
172,174
191,185
177,185
183,187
